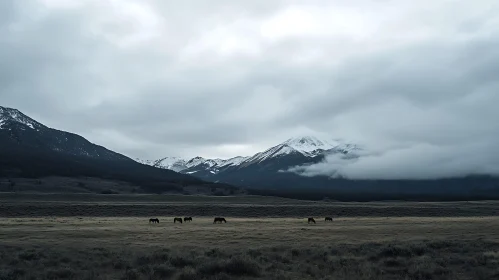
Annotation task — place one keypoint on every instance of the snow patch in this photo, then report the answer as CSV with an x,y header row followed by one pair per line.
x,y
233,161
172,163
308,144
7,114
195,162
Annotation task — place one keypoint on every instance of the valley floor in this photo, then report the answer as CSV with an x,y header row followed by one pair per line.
x,y
97,205
62,245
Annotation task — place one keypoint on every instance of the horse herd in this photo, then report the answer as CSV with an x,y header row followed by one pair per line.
x,y
222,220
327,219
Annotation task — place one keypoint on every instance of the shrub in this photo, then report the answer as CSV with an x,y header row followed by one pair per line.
x,y
142,260
61,273
109,192
30,255
131,274
12,273
236,266
188,273
395,251
163,271
181,262
242,266
219,193
212,268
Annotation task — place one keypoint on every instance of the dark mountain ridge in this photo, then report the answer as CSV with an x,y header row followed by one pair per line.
x,y
18,130
30,149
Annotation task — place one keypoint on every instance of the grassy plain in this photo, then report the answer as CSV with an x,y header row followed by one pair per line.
x,y
96,205
272,241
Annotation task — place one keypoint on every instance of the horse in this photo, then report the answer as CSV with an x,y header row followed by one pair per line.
x,y
219,219
187,219
311,220
177,220
154,221
329,219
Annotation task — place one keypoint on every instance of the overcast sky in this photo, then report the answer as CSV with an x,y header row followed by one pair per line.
x,y
417,81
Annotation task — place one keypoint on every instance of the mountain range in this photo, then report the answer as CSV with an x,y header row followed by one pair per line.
x,y
29,149
277,159
267,173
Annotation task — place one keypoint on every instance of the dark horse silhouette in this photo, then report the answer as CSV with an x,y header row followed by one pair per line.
x,y
219,219
329,219
187,219
154,221
311,220
177,220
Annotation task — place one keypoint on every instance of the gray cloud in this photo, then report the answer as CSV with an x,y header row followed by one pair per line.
x,y
414,82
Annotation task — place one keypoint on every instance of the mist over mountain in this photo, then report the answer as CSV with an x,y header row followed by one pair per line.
x,y
418,162
307,148
312,166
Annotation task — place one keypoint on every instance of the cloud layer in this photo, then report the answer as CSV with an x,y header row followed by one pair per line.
x,y
416,82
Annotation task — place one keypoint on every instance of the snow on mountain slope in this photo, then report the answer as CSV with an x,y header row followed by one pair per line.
x,y
20,131
197,161
14,115
276,151
307,146
173,163
232,161
145,161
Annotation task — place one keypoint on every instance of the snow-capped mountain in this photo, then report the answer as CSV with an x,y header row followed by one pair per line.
x,y
19,130
178,164
13,116
307,146
292,152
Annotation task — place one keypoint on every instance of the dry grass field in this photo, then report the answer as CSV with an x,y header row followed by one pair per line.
x,y
94,205
64,245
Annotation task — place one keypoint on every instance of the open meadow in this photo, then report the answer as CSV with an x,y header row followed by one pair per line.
x,y
65,239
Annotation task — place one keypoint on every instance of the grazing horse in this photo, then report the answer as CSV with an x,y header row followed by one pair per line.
x,y
329,219
187,219
154,221
219,219
311,220
177,220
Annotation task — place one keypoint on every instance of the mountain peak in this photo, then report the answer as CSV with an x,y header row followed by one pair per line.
x,y
307,146
19,131
195,161
14,115
310,143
